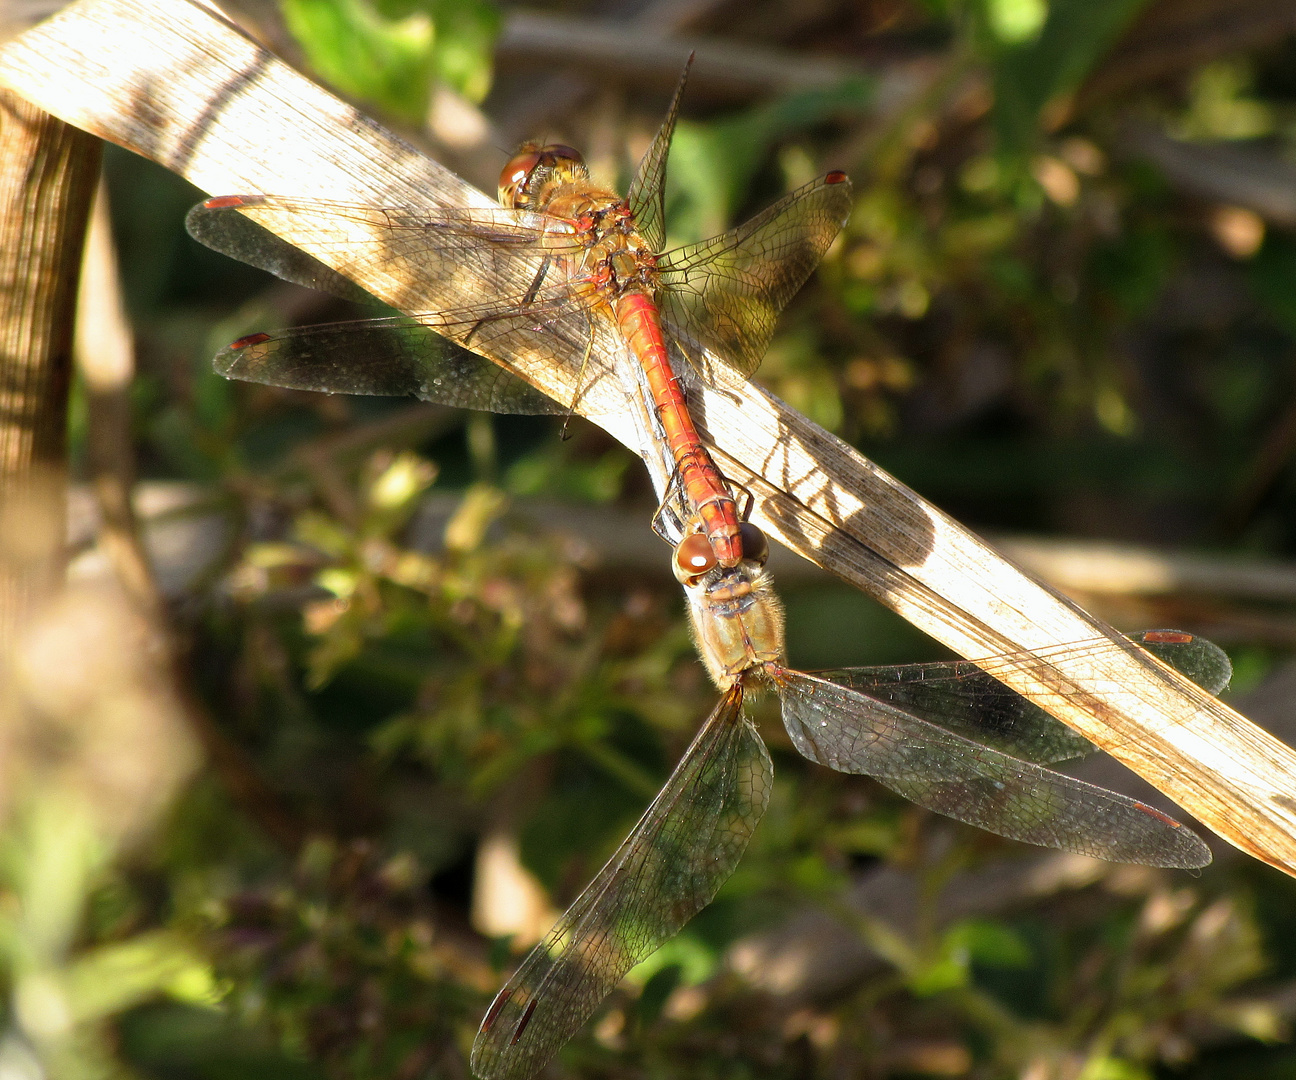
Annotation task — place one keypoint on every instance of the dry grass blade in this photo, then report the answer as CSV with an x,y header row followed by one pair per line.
x,y
174,83
47,176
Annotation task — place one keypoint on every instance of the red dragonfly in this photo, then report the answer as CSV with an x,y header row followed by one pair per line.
x,y
947,736
560,254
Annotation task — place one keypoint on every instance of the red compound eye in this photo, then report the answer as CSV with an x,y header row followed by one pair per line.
x,y
533,167
557,155
514,175
693,558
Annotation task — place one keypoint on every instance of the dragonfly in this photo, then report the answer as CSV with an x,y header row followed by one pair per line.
x,y
557,255
947,736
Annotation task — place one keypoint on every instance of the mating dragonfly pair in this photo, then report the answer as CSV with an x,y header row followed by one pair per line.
x,y
559,255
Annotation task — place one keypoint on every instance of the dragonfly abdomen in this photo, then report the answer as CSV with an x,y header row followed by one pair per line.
x,y
704,487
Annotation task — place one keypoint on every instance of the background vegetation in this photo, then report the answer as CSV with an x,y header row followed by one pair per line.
x,y
437,665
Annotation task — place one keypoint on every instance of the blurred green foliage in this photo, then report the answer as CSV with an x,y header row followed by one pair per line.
x,y
1036,61
394,53
404,656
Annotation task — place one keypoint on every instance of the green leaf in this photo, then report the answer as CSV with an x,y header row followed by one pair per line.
x,y
115,977
655,992
1111,1068
1015,21
1029,75
945,972
989,943
465,45
973,940
394,53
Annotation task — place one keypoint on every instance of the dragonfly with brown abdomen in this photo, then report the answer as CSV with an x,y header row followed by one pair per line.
x,y
947,736
560,253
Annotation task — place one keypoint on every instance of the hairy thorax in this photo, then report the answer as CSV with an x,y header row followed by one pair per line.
x,y
737,622
614,258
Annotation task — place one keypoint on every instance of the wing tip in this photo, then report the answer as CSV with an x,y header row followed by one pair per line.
x,y
234,360
246,341
231,202
1190,852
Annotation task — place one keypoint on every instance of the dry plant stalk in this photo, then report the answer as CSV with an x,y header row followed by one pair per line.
x,y
47,174
98,734
173,82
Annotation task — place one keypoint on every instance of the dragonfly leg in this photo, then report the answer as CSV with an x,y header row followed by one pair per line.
x,y
533,290
579,384
538,281
749,500
667,524
667,521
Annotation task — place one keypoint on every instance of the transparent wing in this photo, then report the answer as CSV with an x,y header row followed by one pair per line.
x,y
437,258
961,696
647,194
969,782
395,357
239,237
726,293
684,847
515,260
474,230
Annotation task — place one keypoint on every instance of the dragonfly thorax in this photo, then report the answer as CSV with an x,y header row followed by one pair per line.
x,y
736,618
614,257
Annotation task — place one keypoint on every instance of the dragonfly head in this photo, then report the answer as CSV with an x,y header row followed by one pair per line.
x,y
535,168
694,557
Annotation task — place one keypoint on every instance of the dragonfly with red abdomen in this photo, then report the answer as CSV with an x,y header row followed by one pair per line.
x,y
560,253
947,736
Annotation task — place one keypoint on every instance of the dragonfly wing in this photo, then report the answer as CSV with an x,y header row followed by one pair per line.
x,y
669,867
960,697
963,697
1197,657
434,258
231,233
647,194
395,357
726,293
490,278
969,782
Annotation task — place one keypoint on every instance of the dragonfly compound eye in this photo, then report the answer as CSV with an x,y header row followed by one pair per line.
x,y
516,175
563,162
754,545
693,558
523,180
